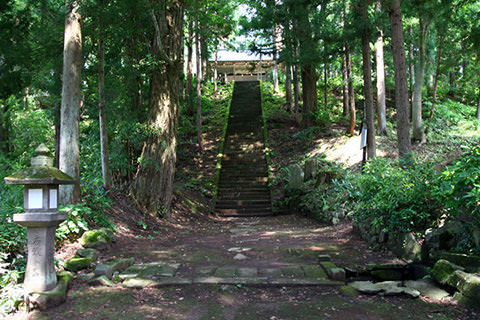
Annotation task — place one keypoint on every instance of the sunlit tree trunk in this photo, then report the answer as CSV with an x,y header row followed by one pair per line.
x,y
215,75
401,86
367,82
69,159
381,104
351,92
189,68
199,87
153,184
102,118
437,75
478,105
345,86
418,130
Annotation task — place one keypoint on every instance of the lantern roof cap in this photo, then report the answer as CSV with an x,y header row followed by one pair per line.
x,y
41,171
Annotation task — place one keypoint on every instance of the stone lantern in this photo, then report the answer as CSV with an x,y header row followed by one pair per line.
x,y
41,217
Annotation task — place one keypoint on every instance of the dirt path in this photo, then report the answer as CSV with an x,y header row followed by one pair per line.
x,y
283,241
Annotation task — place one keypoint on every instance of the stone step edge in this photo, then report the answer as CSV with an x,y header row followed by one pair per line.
x,y
256,281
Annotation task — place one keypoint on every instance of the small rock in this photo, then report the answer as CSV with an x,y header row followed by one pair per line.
x,y
443,269
238,250
98,239
85,276
88,253
324,257
348,291
295,177
76,264
240,256
103,281
427,288
365,287
103,270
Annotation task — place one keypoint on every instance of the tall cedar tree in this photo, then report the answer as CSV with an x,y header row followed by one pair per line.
x,y
401,87
71,100
153,184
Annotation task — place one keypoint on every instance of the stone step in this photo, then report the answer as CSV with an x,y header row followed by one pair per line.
x,y
245,211
247,203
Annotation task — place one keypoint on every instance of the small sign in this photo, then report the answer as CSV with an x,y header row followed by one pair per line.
x,y
363,138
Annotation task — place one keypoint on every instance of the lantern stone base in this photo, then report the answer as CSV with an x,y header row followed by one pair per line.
x,y
40,273
54,297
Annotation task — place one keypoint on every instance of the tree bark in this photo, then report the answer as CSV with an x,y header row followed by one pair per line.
x,y
325,87
401,86
288,87
418,130
4,119
367,82
411,64
199,88
215,75
102,118
345,86
189,68
381,104
71,103
351,92
437,75
275,73
296,91
153,184
309,89
478,105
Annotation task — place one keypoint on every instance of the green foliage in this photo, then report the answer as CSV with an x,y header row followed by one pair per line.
x,y
459,191
396,198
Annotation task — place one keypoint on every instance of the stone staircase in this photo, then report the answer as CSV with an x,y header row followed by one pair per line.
x,y
243,186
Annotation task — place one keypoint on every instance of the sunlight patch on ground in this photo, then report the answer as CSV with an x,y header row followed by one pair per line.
x,y
344,150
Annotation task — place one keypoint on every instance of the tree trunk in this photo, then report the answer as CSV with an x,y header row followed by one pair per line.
x,y
401,87
437,75
345,86
309,84
275,73
478,105
381,104
102,118
4,119
411,64
153,184
199,88
288,87
418,131
325,87
215,75
367,82
189,68
296,91
351,92
71,102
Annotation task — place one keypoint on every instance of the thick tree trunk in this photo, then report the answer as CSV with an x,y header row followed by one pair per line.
x,y
309,88
345,86
351,92
411,64
288,87
367,83
199,89
418,130
153,184
189,68
381,104
401,87
102,118
71,103
437,75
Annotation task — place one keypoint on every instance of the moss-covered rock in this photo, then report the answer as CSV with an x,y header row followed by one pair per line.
x,y
88,253
405,245
470,262
443,269
97,239
76,264
348,291
467,301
